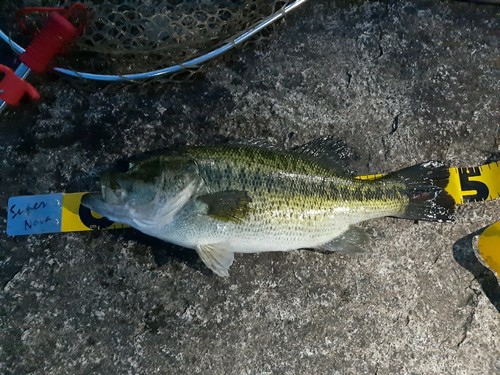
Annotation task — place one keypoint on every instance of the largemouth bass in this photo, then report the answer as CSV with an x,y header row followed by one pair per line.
x,y
221,200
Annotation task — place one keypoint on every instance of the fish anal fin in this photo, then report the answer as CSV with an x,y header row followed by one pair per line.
x,y
216,258
230,205
352,241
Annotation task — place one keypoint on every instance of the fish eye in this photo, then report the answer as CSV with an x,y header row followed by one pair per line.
x,y
122,166
113,184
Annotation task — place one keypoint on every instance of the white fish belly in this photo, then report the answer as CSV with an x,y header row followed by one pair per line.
x,y
254,237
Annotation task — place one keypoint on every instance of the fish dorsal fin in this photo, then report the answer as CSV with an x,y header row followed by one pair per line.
x,y
256,143
230,205
351,241
328,151
215,258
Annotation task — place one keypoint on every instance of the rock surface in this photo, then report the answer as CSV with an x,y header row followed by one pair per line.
x,y
401,82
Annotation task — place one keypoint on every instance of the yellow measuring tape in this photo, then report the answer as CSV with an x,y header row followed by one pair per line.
x,y
475,184
64,213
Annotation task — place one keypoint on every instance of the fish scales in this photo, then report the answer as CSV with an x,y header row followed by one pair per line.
x,y
292,183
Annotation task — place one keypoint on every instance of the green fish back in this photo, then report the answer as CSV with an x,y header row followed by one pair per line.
x,y
291,185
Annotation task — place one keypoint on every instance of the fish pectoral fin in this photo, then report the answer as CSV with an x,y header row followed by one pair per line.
x,y
230,205
215,258
351,241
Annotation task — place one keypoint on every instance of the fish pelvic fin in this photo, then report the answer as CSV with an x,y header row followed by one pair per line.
x,y
425,187
216,258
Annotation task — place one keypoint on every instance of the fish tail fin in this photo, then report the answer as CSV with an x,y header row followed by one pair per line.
x,y
425,186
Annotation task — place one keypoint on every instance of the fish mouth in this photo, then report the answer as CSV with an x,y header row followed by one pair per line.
x,y
96,203
111,188
109,199
93,201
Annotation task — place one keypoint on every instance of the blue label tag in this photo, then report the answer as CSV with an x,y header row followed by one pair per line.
x,y
34,214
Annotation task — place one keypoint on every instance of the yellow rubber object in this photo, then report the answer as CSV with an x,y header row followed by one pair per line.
x,y
487,248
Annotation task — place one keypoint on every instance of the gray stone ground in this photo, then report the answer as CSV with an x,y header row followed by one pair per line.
x,y
401,82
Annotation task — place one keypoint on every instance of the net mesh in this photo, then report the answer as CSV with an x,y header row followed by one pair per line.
x,y
131,36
